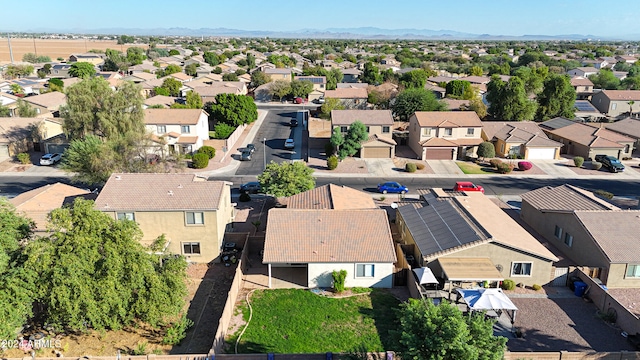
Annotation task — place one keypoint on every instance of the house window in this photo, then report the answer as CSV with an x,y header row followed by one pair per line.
x,y
614,106
448,131
558,232
633,271
471,131
161,129
385,129
343,129
502,148
521,269
627,148
368,129
568,239
364,270
185,129
426,131
192,248
195,218
126,216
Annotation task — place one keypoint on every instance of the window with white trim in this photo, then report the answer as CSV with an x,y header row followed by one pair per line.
x,y
343,129
633,271
365,270
191,248
126,216
161,129
568,239
385,130
471,131
448,131
185,129
195,218
558,232
521,269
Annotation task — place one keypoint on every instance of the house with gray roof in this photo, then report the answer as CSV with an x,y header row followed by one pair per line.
x,y
588,230
628,127
192,213
523,139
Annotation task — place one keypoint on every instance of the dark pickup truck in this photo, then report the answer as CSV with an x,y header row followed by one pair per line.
x,y
610,162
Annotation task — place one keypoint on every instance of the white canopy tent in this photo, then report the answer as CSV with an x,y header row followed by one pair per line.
x,y
488,299
425,276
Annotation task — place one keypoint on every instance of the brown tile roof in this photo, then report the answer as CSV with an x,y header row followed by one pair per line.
x,y
564,198
376,137
367,117
349,93
181,76
615,232
144,76
476,79
522,132
328,236
448,118
622,95
172,116
10,127
160,192
213,90
580,81
628,126
455,104
331,196
187,139
352,85
163,100
438,142
51,100
38,203
590,136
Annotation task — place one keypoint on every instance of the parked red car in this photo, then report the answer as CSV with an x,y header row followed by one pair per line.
x,y
467,186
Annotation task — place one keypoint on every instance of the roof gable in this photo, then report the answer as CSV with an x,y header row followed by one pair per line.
x,y
447,118
615,232
331,196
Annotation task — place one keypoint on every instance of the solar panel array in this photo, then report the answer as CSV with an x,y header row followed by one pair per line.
x,y
584,105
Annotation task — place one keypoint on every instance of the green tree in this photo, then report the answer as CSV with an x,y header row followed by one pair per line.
x,y
486,150
456,88
414,79
371,74
630,83
172,85
356,134
109,280
301,88
280,88
441,332
125,39
4,111
286,179
211,58
170,69
259,78
329,105
82,70
223,130
557,98
230,77
509,100
411,100
161,91
337,139
605,79
251,61
533,78
136,55
14,71
25,109
174,52
16,89
34,59
56,84
476,70
90,159
233,109
191,69
115,61
193,100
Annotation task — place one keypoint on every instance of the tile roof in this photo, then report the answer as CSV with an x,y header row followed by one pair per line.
x,y
160,192
615,232
10,127
328,236
376,137
564,198
172,116
476,79
455,104
580,81
163,100
187,139
622,95
448,118
277,71
523,132
438,142
590,136
51,100
352,85
350,93
367,117
144,76
331,196
313,79
627,126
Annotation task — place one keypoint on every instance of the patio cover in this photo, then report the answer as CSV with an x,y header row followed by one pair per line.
x,y
486,299
469,269
425,276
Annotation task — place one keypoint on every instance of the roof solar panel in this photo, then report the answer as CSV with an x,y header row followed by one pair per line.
x,y
584,106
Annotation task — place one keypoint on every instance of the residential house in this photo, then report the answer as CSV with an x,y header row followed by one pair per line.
x,y
159,100
586,111
19,134
587,141
617,102
438,91
583,71
182,77
629,127
588,230
629,59
9,101
331,196
471,230
145,67
456,104
351,75
319,82
320,241
521,139
209,92
379,123
351,98
181,131
343,85
278,74
140,77
36,204
60,70
91,58
583,87
47,104
192,213
440,135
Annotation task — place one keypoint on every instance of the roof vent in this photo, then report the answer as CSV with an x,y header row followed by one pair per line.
x,y
170,193
179,186
118,177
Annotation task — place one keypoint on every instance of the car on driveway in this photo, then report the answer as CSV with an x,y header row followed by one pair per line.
x,y
610,162
467,186
289,144
293,123
392,187
245,155
251,148
50,159
252,187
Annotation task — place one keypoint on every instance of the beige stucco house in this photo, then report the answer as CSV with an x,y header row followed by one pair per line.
x,y
588,230
179,130
444,135
379,123
470,226
19,134
583,87
523,139
350,98
47,104
616,102
192,213
278,74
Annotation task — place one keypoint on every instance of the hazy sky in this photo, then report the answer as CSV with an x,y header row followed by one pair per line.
x,y
495,17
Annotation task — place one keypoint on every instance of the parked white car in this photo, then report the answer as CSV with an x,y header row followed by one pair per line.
x,y
50,159
289,144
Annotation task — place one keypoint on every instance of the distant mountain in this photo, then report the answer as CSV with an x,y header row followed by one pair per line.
x,y
331,33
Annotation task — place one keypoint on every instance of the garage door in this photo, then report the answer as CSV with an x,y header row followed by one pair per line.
x,y
439,154
56,148
376,152
541,153
4,151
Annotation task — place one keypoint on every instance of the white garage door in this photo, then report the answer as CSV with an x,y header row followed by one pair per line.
x,y
4,151
541,153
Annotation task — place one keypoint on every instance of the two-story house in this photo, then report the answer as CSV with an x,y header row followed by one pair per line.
x,y
440,135
617,102
192,213
584,71
379,123
350,98
319,86
48,104
182,131
278,74
583,87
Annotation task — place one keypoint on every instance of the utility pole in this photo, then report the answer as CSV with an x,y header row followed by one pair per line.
x,y
10,50
264,141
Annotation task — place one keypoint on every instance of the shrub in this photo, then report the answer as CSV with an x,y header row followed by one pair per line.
x,y
627,158
505,168
420,166
604,194
332,162
508,284
578,161
486,150
24,158
536,287
410,167
596,165
200,160
524,165
244,197
338,280
328,149
209,150
495,162
223,130
177,331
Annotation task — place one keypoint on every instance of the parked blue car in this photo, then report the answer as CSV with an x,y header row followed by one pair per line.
x,y
392,187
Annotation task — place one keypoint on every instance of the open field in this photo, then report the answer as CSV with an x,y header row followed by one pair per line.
x,y
55,48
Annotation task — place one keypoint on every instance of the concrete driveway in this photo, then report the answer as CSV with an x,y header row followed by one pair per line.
x,y
444,167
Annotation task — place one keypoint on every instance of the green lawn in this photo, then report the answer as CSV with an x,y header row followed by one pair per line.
x,y
298,321
473,168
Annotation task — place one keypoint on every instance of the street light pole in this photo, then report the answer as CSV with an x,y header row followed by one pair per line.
x,y
264,141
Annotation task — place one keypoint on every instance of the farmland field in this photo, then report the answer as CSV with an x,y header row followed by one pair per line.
x,y
55,48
